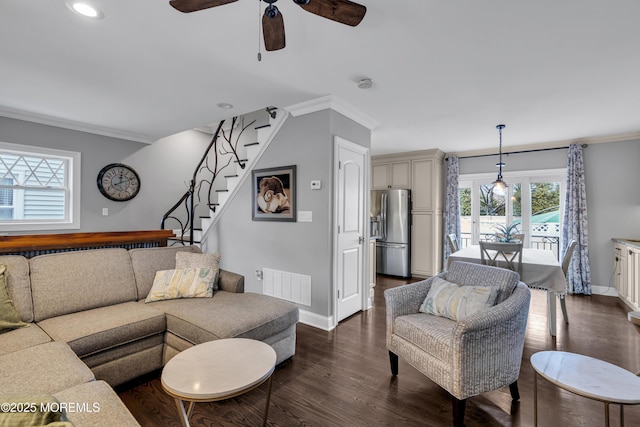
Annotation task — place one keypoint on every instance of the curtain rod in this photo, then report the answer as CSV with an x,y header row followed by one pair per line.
x,y
515,152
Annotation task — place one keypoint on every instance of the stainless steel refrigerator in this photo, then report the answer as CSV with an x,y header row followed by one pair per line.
x,y
391,225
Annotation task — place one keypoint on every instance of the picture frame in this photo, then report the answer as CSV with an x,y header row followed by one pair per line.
x,y
274,194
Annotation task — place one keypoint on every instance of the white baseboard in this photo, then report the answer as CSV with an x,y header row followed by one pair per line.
x,y
312,319
604,290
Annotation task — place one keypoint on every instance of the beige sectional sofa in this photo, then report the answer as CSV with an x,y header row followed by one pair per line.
x,y
89,328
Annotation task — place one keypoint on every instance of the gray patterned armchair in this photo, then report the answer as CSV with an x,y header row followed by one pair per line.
x,y
480,353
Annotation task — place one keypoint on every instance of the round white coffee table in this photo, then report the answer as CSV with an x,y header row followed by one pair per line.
x,y
218,370
587,377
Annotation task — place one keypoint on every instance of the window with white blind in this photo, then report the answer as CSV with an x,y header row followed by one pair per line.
x,y
39,188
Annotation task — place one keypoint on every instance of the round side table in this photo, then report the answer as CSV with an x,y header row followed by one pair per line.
x,y
588,377
218,370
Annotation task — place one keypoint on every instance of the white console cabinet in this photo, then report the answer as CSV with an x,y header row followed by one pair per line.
x,y
627,274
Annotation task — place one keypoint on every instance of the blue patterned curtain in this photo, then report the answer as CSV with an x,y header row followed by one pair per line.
x,y
575,223
451,206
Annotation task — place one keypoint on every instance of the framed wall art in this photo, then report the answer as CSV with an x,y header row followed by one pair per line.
x,y
274,194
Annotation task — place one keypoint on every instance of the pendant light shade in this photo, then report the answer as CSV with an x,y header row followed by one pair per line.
x,y
499,186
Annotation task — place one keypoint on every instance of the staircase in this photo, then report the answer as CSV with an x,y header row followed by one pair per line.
x,y
235,148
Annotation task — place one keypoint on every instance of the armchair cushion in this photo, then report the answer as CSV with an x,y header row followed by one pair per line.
x,y
455,302
469,274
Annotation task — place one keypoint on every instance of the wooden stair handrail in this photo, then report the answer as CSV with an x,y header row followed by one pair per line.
x,y
54,242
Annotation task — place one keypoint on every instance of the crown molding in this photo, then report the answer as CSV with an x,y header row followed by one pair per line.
x,y
331,102
44,119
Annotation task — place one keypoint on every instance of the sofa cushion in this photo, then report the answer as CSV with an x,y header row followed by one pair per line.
x,y
18,339
457,302
45,368
9,318
69,282
437,342
193,260
102,328
100,406
227,315
182,283
146,261
469,274
19,285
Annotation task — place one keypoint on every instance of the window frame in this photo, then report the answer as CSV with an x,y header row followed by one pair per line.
x,y
71,218
524,178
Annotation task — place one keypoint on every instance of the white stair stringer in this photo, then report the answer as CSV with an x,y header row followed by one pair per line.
x,y
264,136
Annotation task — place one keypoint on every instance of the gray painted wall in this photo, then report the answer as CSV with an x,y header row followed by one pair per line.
x,y
163,167
301,247
613,193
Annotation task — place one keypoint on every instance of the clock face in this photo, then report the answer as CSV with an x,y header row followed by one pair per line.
x,y
118,182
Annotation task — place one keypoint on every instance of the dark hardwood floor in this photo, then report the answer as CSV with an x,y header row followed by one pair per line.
x,y
342,378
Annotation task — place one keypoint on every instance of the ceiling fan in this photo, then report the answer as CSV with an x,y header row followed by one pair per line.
x,y
342,11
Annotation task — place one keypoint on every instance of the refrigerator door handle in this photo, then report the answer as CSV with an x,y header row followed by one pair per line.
x,y
393,245
383,209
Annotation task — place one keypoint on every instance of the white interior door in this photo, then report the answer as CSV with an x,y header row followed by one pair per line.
x,y
350,221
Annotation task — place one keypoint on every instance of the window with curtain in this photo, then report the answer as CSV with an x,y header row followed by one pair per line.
x,y
534,200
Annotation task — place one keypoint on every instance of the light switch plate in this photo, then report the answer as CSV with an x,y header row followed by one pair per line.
x,y
305,216
316,184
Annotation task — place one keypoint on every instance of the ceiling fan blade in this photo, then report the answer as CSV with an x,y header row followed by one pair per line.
x,y
195,5
343,11
273,32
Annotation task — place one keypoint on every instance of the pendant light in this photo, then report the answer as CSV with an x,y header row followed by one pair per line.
x,y
499,186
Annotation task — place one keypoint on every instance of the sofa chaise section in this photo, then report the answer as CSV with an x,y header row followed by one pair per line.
x,y
230,315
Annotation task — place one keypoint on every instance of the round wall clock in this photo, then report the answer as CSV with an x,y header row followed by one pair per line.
x,y
118,182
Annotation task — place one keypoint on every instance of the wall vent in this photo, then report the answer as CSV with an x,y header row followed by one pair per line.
x,y
288,286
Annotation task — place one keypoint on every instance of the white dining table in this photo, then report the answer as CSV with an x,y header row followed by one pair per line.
x,y
540,270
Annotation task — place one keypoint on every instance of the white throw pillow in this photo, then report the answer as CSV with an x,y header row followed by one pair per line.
x,y
182,283
194,260
447,299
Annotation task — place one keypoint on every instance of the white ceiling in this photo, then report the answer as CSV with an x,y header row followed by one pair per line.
x,y
445,72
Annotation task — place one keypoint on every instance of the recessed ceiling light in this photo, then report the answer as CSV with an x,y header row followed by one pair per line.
x,y
225,105
85,9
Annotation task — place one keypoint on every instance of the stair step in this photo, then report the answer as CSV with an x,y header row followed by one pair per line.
x,y
252,143
262,126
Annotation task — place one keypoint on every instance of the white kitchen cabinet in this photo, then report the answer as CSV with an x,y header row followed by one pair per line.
x,y
391,174
421,172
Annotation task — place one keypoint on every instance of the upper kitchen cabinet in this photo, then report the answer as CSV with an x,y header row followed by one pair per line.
x,y
390,174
